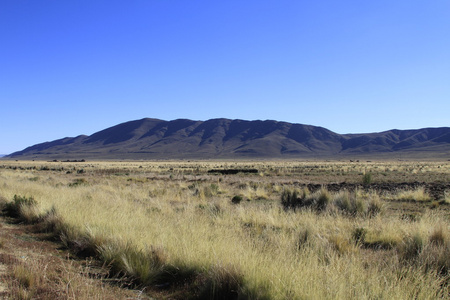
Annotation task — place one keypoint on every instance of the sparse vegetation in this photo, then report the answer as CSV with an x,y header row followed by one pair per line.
x,y
352,204
171,227
418,194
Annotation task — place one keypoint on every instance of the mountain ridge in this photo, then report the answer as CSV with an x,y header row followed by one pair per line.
x,y
234,138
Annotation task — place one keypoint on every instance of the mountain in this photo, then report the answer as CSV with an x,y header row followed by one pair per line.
x,y
225,138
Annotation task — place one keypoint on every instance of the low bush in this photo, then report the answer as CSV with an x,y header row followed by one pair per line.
x,y
293,199
236,199
367,179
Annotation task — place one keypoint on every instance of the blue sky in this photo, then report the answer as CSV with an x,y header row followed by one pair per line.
x,y
76,66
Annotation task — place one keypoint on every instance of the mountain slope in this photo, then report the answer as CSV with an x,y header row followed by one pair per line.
x,y
224,138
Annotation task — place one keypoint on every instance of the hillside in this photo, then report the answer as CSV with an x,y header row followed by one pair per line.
x,y
225,138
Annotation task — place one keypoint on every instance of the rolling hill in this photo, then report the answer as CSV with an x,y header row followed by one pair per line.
x,y
225,138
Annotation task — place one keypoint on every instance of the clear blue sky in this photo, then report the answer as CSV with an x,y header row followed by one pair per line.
x,y
78,66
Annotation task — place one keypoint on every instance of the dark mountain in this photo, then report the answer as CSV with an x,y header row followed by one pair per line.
x,y
224,138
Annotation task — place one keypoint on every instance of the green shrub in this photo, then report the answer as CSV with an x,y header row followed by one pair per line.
x,y
367,178
237,199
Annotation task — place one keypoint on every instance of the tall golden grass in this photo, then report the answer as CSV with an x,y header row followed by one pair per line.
x,y
163,229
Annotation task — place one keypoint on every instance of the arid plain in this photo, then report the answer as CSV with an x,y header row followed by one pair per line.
x,y
193,229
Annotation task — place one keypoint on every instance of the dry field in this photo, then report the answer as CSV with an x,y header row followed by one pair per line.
x,y
291,230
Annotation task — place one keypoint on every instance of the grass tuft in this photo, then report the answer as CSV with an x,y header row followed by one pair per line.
x,y
25,276
358,203
19,205
418,194
411,247
439,236
223,283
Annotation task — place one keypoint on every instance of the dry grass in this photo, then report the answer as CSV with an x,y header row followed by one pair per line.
x,y
184,229
418,194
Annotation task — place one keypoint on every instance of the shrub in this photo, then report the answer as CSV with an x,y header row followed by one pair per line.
x,y
237,199
367,179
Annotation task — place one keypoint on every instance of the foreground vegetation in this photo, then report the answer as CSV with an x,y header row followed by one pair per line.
x,y
282,233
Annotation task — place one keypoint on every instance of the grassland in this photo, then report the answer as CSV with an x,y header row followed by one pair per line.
x,y
174,229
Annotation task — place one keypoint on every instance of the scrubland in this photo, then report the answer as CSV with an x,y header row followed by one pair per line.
x,y
293,230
